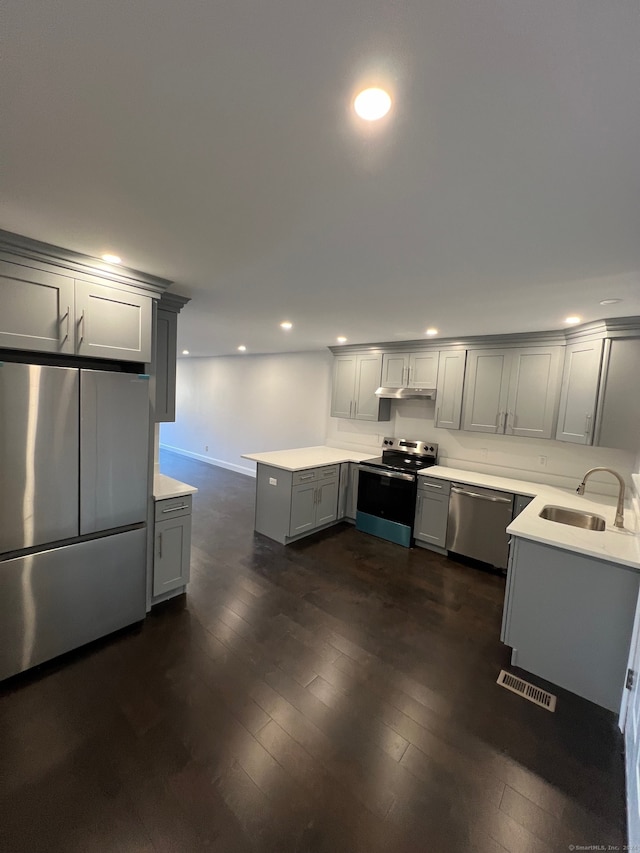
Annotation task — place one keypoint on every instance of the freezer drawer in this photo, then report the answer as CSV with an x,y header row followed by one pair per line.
x,y
38,455
57,600
114,441
478,521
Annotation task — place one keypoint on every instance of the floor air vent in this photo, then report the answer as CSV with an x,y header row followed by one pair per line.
x,y
528,691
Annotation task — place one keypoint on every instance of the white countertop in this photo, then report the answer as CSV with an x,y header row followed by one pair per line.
x,y
167,487
307,457
611,544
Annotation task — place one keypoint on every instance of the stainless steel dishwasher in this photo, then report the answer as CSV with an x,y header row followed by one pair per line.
x,y
478,520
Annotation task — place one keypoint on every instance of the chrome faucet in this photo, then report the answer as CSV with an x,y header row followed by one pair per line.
x,y
619,522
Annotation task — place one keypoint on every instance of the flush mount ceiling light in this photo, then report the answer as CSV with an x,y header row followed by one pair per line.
x,y
286,325
572,321
112,259
242,348
610,301
185,352
431,332
372,104
341,339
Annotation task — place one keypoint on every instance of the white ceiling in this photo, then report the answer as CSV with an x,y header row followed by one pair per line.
x,y
213,143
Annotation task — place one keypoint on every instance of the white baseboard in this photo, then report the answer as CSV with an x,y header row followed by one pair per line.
x,y
219,463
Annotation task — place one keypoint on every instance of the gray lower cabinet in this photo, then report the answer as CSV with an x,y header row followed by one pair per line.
x,y
292,504
355,380
172,545
432,511
569,619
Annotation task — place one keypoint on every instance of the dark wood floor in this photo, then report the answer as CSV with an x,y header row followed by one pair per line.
x,y
334,696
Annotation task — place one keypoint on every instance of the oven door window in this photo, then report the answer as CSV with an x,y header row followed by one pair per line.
x,y
387,497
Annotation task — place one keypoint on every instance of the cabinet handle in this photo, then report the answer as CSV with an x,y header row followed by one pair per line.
x,y
306,476
419,506
81,322
507,415
66,334
160,543
175,508
587,426
431,486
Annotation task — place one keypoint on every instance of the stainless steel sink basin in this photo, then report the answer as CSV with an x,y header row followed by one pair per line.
x,y
586,520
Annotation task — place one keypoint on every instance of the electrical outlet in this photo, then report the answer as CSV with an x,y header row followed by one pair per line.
x,y
542,461
273,481
206,448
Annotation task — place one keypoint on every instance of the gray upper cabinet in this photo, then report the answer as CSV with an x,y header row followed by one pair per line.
x,y
410,370
512,391
112,323
166,340
355,380
449,389
578,396
486,390
533,391
36,310
618,414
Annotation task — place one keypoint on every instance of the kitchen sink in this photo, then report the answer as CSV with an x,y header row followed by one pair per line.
x,y
586,520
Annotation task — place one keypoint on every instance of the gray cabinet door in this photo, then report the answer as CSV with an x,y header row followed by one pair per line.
x,y
423,369
368,374
112,323
579,392
352,494
395,369
432,511
326,502
172,554
303,508
618,416
449,389
485,390
38,454
344,381
36,310
166,340
114,440
533,391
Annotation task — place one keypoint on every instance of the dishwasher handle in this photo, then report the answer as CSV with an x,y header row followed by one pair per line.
x,y
458,491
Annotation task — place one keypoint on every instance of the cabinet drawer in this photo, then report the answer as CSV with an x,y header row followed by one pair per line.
x,y
306,476
173,507
433,485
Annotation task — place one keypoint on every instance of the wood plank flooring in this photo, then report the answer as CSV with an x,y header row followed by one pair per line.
x,y
334,696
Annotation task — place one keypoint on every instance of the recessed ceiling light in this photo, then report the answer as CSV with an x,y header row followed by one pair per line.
x,y
112,259
242,348
185,352
341,339
372,104
431,332
610,301
286,325
571,321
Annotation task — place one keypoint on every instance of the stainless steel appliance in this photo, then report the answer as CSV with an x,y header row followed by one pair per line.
x,y
478,519
73,506
387,488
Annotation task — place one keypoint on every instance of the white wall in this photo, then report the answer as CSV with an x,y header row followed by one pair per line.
x,y
248,404
496,454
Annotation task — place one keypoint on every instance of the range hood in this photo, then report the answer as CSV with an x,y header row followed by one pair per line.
x,y
406,393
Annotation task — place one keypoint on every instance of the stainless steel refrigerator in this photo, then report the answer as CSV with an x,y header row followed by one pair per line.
x,y
73,508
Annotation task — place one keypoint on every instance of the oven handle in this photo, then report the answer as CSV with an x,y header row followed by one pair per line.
x,y
392,475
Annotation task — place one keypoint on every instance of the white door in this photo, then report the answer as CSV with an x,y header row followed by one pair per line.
x,y
630,724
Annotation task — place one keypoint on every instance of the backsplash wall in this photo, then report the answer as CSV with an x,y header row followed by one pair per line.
x,y
505,455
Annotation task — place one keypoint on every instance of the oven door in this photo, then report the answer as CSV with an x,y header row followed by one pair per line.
x,y
386,503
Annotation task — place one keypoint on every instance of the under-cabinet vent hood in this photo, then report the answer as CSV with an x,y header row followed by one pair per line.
x,y
406,393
